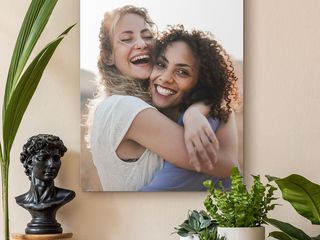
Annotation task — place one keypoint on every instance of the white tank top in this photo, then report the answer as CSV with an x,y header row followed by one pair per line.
x,y
112,119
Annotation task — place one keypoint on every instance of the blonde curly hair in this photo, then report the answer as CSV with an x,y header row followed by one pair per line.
x,y
111,81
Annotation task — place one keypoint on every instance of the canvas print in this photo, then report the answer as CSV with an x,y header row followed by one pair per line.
x,y
161,94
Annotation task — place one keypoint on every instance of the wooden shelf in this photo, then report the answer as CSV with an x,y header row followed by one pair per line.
x,y
19,236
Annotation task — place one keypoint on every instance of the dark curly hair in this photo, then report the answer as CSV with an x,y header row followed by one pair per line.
x,y
217,84
37,143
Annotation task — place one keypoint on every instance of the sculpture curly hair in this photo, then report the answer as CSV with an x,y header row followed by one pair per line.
x,y
37,143
217,84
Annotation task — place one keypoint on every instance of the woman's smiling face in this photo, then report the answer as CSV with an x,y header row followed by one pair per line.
x,y
133,43
175,73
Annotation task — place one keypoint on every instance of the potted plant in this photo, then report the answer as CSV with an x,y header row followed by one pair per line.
x,y
198,226
21,84
304,196
239,213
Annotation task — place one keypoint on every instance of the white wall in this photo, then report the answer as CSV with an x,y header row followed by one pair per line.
x,y
282,112
282,100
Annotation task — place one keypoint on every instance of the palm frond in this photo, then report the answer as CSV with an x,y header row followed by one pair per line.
x,y
33,24
23,92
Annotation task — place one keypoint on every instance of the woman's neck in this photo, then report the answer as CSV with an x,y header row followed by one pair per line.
x,y
172,113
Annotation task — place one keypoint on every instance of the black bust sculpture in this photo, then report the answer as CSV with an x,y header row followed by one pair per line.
x,y
41,160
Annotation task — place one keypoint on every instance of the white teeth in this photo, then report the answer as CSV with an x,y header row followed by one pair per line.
x,y
164,91
140,57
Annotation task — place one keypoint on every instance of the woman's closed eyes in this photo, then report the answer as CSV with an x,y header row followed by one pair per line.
x,y
130,39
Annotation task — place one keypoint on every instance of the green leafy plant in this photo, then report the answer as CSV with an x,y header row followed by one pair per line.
x,y
199,223
195,223
304,196
21,84
238,207
207,234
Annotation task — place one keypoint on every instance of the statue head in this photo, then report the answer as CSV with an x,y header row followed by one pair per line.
x,y
41,156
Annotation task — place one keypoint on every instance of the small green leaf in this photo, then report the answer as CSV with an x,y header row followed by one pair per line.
x,y
205,224
187,227
182,232
280,236
207,183
289,229
271,178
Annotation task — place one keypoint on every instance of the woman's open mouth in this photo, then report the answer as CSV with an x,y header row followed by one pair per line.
x,y
164,91
141,59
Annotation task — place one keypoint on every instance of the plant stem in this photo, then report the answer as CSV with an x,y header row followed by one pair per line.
x,y
5,205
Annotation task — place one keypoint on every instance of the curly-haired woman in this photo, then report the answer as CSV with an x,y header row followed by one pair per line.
x,y
129,138
192,67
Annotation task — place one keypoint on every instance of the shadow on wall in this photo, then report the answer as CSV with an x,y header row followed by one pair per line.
x,y
88,172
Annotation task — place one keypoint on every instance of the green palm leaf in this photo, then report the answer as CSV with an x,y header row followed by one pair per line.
x,y
33,24
23,92
303,195
27,24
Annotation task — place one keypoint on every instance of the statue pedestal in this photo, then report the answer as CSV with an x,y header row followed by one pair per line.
x,y
19,236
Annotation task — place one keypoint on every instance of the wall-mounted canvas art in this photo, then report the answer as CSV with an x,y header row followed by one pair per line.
x,y
161,94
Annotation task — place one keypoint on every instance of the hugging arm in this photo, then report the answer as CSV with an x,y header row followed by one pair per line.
x,y
224,142
199,136
156,132
227,155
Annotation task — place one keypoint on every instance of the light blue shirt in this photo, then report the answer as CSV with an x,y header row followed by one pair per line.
x,y
173,178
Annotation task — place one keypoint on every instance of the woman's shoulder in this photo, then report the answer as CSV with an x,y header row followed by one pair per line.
x,y
120,101
117,108
125,98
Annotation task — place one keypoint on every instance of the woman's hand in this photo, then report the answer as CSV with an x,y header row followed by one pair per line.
x,y
201,142
154,131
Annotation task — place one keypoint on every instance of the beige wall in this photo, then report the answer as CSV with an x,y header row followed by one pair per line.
x,y
282,112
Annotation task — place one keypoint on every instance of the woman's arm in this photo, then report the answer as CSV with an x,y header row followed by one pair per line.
x,y
199,136
225,140
227,154
156,132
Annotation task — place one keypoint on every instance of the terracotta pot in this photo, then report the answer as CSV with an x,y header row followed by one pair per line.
x,y
250,233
